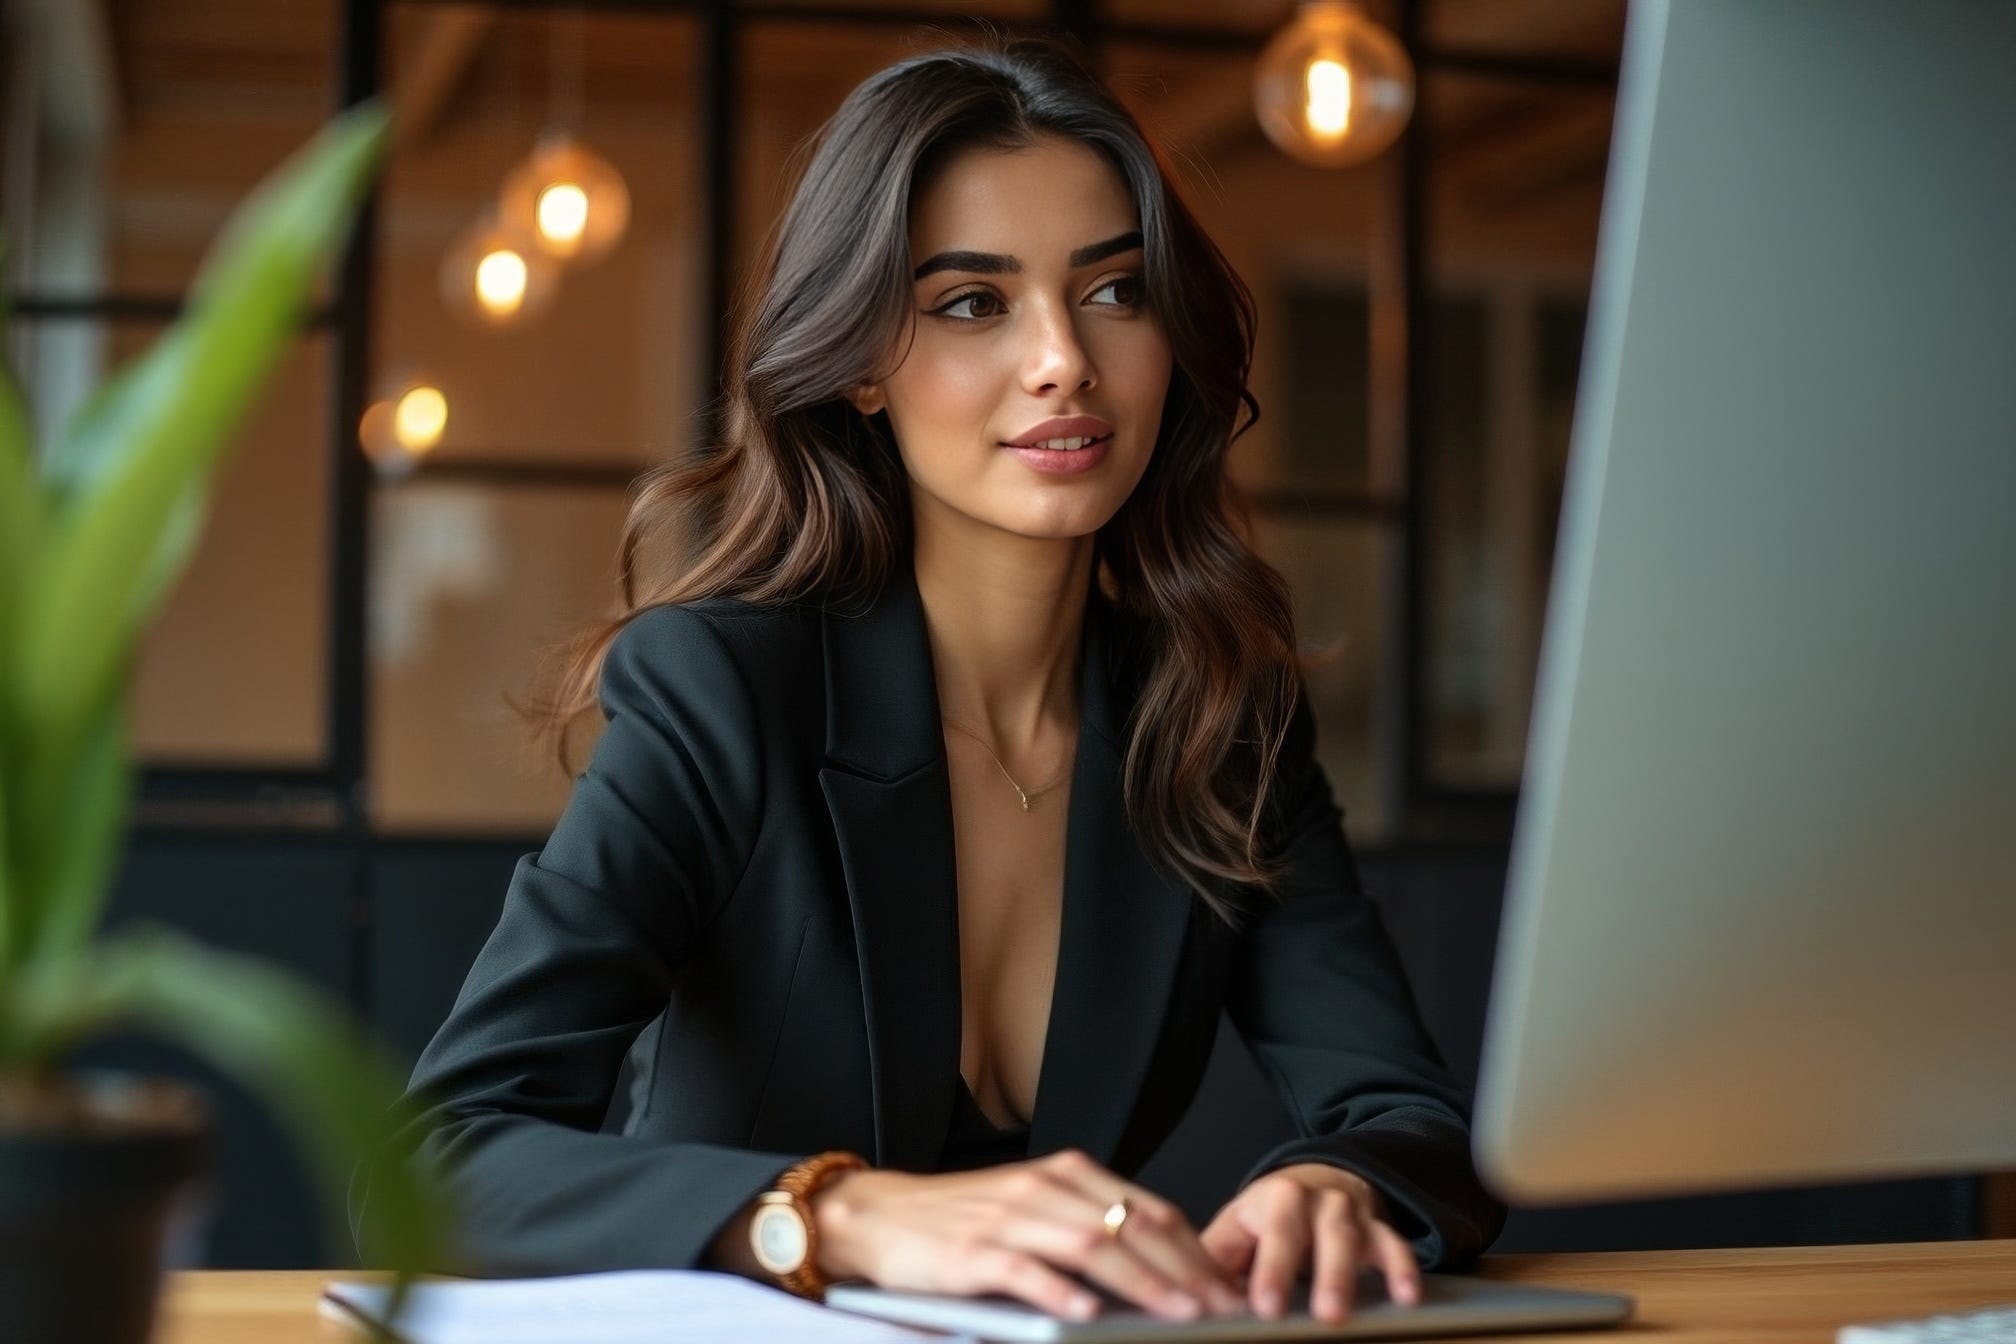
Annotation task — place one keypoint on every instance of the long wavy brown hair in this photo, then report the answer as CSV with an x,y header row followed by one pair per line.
x,y
801,498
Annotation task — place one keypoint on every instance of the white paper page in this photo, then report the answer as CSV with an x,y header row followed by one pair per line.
x,y
652,1306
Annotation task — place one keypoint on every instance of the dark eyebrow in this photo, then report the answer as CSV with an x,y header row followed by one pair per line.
x,y
996,263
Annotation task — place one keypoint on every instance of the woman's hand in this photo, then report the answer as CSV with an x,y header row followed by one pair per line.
x,y
1309,1211
1021,1230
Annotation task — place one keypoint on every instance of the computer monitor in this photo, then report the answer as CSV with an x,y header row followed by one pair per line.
x,y
1760,925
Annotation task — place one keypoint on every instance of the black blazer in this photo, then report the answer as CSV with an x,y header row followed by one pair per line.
x,y
757,866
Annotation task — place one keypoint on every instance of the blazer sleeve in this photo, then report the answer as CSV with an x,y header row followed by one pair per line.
x,y
513,1088
1319,996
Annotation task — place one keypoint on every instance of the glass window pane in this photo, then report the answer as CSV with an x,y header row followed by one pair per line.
x,y
609,369
471,584
1326,393
211,98
235,671
1514,195
1465,601
1340,576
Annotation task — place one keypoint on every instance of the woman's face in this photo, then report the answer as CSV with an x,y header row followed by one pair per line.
x,y
1029,305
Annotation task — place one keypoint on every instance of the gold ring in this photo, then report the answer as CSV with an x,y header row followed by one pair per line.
x,y
1116,1216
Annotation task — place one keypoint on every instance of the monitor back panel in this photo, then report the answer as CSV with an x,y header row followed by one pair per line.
x,y
1761,918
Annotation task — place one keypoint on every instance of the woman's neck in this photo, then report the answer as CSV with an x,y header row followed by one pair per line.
x,y
1004,615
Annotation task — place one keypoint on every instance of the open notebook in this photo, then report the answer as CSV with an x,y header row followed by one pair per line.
x,y
651,1306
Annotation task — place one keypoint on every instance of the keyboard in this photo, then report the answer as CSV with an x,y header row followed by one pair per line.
x,y
1989,1325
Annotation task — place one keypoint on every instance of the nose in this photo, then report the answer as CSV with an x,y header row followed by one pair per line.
x,y
1057,358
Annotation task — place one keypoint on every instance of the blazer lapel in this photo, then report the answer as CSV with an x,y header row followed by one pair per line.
x,y
1122,938
889,794
891,802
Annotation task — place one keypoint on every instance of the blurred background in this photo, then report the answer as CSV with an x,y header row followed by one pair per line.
x,y
431,493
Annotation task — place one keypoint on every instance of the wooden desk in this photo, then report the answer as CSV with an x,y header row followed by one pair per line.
x,y
1780,1295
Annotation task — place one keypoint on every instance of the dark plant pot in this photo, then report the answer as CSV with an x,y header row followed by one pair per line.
x,y
90,1172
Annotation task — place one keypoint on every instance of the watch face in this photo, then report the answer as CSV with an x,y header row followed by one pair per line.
x,y
778,1238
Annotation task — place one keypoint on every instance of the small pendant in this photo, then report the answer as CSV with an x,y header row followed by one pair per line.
x,y
1025,800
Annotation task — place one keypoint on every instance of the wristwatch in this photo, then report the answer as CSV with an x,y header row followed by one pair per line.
x,y
782,1233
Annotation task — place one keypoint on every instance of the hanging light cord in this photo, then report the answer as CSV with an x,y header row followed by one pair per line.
x,y
565,78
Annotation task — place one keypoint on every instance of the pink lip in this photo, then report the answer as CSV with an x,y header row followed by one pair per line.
x,y
1061,427
1065,462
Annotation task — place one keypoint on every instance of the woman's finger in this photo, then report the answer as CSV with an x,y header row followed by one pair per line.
x,y
1281,1223
1155,1229
1339,1238
1229,1242
1403,1272
1076,1245
1020,1275
1158,1231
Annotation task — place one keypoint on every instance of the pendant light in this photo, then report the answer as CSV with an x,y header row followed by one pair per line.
x,y
1333,88
398,430
569,200
495,276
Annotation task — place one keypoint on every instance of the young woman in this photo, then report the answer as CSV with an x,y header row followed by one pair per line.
x,y
956,786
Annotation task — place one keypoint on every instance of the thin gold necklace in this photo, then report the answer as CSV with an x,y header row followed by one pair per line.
x,y
1024,794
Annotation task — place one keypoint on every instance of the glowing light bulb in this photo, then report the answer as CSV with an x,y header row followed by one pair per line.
x,y
570,201
419,418
563,214
1333,88
492,276
1327,98
500,281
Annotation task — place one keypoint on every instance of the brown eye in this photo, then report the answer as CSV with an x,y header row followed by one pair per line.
x,y
1131,289
975,296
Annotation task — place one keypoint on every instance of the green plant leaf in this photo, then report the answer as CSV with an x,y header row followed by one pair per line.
x,y
20,525
69,830
7,883
108,419
105,423
179,536
81,607
69,841
20,503
289,1044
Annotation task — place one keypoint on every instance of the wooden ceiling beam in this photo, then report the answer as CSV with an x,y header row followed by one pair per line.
x,y
425,85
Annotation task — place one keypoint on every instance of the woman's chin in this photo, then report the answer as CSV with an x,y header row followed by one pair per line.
x,y
1052,524
1044,514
